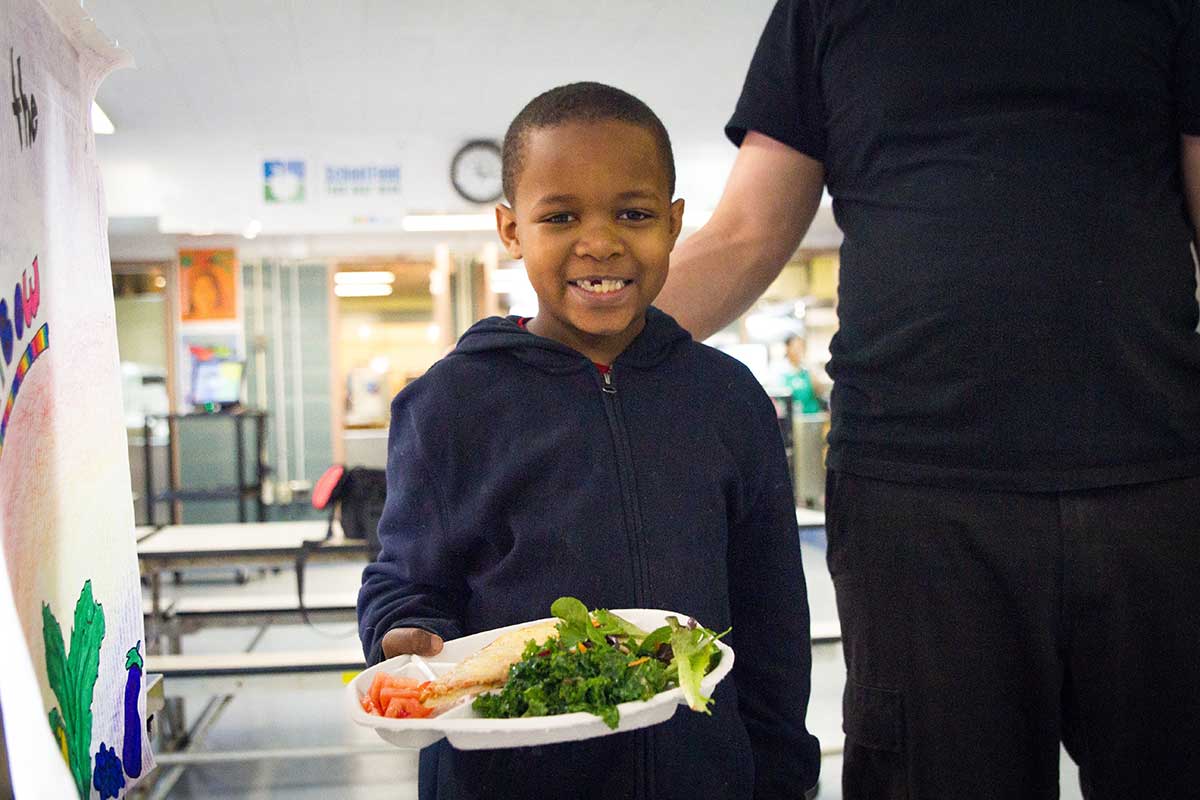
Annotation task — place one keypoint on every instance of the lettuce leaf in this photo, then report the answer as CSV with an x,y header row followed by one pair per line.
x,y
695,652
692,653
610,623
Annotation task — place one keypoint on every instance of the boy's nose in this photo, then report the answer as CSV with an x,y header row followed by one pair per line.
x,y
599,242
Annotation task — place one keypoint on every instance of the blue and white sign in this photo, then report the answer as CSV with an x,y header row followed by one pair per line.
x,y
283,181
358,180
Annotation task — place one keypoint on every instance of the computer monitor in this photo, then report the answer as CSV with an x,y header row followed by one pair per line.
x,y
217,382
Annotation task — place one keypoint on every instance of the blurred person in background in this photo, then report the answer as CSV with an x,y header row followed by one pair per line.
x,y
797,379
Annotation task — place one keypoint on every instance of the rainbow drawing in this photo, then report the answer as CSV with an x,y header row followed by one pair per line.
x,y
37,346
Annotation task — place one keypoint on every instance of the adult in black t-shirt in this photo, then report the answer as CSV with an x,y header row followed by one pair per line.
x,y
1013,507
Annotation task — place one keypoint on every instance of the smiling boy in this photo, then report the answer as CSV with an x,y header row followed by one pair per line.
x,y
595,224
595,450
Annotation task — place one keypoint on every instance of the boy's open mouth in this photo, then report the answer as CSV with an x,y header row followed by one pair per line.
x,y
601,285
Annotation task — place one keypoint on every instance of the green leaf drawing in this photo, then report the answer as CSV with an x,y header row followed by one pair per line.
x,y
56,654
73,680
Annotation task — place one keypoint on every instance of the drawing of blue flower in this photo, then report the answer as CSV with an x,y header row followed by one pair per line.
x,y
108,778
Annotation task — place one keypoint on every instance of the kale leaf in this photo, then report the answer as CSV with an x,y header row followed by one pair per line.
x,y
599,661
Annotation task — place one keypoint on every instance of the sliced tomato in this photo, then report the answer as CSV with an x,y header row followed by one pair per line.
x,y
415,707
395,696
389,693
377,685
405,708
401,682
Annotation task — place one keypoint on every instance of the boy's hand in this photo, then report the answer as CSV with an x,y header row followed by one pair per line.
x,y
411,641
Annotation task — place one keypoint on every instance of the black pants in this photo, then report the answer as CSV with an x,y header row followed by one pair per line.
x,y
983,628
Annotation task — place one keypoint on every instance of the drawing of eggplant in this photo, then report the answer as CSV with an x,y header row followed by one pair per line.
x,y
131,749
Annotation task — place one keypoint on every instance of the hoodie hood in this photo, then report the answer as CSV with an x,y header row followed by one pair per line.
x,y
655,343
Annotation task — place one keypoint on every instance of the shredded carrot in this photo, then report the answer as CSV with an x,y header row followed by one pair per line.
x,y
637,661
582,649
595,623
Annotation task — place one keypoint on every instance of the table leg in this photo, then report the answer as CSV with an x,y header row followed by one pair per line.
x,y
156,614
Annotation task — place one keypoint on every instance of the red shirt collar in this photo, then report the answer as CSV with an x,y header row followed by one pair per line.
x,y
604,368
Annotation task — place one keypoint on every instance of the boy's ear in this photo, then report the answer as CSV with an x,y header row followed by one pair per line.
x,y
506,226
676,220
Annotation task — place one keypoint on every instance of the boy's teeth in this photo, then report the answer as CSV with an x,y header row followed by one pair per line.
x,y
601,286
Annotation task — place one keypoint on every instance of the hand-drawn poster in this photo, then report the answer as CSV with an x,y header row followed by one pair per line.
x,y
73,695
208,285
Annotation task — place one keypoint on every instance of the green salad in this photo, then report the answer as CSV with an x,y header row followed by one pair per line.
x,y
600,660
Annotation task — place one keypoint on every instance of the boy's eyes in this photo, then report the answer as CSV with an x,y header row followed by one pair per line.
x,y
627,215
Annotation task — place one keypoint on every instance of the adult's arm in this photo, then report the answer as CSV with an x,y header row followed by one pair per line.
x,y
769,201
1190,147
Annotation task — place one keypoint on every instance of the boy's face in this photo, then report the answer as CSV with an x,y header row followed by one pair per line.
x,y
594,222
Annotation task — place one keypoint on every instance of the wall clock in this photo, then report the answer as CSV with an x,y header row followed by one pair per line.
x,y
475,171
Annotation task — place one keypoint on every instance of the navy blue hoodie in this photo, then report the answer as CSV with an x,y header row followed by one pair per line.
x,y
518,473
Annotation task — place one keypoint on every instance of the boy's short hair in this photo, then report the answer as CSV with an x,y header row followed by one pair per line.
x,y
586,101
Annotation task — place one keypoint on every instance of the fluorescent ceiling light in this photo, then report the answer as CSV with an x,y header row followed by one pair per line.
x,y
101,124
345,278
362,290
420,223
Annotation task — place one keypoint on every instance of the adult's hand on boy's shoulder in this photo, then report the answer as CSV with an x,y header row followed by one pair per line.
x,y
411,641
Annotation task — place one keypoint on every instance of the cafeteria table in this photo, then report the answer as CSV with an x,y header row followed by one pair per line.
x,y
244,544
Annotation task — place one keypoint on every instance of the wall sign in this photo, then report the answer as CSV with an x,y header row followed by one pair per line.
x,y
283,181
362,180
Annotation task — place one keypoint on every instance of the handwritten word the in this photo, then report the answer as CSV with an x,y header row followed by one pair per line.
x,y
27,298
24,106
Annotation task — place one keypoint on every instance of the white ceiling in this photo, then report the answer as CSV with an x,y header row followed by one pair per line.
x,y
221,85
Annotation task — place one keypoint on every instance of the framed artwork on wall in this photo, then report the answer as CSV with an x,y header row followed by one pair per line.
x,y
208,285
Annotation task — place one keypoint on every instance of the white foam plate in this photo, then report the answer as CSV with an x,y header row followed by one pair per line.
x,y
468,731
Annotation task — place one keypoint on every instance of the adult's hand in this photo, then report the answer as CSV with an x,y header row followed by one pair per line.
x,y
769,201
411,641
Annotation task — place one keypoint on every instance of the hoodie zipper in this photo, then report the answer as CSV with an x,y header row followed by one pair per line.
x,y
633,533
625,477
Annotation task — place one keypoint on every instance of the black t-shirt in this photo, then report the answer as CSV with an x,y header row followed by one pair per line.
x,y
1017,297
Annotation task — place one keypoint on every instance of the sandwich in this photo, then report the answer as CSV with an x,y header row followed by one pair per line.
x,y
486,670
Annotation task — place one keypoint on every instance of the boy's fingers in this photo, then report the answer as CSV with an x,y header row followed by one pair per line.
x,y
411,641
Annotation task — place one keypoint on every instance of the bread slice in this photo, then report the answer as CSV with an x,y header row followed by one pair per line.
x,y
487,669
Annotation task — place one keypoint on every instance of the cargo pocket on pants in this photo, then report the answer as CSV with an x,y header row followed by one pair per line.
x,y
874,765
